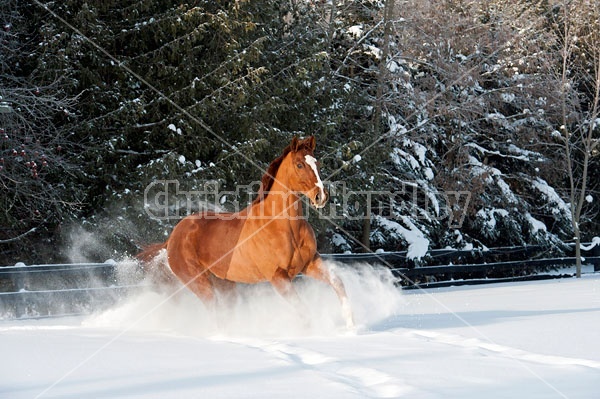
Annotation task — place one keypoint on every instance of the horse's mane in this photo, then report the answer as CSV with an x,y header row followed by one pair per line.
x,y
269,177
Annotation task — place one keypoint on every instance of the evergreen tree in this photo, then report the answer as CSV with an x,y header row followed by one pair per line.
x,y
414,99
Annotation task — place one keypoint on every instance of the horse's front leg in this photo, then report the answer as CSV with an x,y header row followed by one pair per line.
x,y
317,270
283,285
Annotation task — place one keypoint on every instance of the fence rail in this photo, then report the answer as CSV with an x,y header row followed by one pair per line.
x,y
60,289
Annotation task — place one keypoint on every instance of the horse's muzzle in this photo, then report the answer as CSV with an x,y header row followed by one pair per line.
x,y
321,198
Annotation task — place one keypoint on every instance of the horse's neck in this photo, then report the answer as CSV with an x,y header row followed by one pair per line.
x,y
280,202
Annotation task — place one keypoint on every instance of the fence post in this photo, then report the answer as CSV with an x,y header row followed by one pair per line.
x,y
19,284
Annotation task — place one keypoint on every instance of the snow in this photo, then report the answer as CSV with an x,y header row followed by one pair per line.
x,y
429,174
357,31
495,116
506,191
340,242
393,66
525,155
468,246
418,244
395,127
420,151
431,195
527,340
400,157
556,134
372,50
489,216
553,198
175,129
536,225
595,242
521,154
508,97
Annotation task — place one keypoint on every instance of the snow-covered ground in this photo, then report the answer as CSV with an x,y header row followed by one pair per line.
x,y
518,340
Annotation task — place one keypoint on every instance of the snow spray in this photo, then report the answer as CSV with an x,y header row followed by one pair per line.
x,y
257,310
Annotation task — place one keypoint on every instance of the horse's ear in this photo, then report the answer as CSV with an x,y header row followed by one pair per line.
x,y
311,142
294,144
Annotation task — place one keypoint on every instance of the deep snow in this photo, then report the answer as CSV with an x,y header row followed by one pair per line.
x,y
518,340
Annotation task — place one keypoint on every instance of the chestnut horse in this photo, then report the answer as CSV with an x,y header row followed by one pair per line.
x,y
270,240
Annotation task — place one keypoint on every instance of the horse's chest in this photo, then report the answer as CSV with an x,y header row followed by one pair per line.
x,y
258,257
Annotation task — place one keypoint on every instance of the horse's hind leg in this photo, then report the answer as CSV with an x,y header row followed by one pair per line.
x,y
225,290
199,283
202,287
317,270
193,275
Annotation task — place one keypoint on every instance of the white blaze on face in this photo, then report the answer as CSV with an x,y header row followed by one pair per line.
x,y
312,162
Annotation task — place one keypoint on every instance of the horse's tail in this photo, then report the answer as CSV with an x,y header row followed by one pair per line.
x,y
156,267
150,251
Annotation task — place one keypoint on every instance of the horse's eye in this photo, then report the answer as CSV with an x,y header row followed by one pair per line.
x,y
300,166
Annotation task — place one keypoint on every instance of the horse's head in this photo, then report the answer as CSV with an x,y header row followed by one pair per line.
x,y
304,177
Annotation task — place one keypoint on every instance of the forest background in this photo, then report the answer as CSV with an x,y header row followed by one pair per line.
x,y
415,100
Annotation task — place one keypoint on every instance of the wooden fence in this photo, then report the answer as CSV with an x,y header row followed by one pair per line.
x,y
52,290
59,289
447,267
